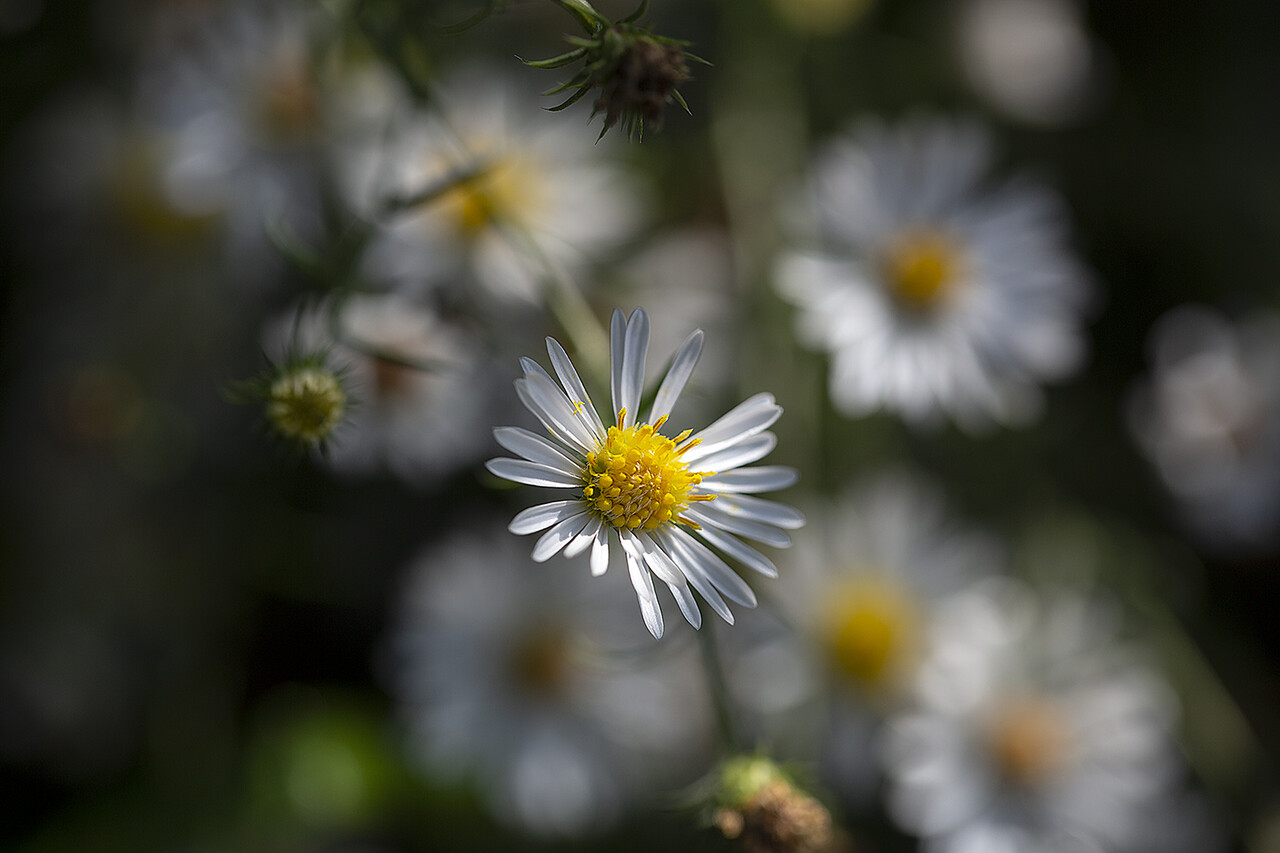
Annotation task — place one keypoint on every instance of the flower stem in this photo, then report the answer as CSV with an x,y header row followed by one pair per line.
x,y
719,690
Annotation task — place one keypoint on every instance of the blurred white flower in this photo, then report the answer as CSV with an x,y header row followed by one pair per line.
x,y
539,194
1032,59
424,389
862,586
247,105
667,501
870,571
934,294
1209,418
1037,728
526,682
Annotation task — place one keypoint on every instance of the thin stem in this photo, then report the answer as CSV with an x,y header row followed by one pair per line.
x,y
719,690
569,306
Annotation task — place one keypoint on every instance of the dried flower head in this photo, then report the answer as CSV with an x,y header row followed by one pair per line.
x,y
636,72
768,813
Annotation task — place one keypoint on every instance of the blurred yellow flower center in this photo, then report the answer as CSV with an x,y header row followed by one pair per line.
x,y
290,99
306,403
505,190
637,479
871,628
1028,740
540,661
922,267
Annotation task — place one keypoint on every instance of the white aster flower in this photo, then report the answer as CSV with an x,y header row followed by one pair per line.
x,y
516,681
666,501
934,295
864,583
1037,730
1209,418
538,195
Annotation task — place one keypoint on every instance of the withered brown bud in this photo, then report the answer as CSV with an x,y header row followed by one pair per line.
x,y
779,818
641,82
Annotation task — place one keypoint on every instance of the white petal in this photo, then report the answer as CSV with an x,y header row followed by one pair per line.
x,y
699,559
743,527
532,473
574,388
688,606
740,551
763,478
755,509
535,448
673,383
600,552
751,450
542,516
645,594
753,415
617,348
545,398
656,558
554,540
585,538
635,348
697,579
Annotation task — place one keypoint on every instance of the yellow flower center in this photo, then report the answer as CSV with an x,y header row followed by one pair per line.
x,y
306,404
507,189
1028,740
922,267
637,479
871,630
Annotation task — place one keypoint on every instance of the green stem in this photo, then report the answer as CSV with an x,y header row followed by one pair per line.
x,y
719,689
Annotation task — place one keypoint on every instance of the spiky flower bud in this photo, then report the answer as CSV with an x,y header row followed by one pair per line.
x,y
305,403
636,72
304,397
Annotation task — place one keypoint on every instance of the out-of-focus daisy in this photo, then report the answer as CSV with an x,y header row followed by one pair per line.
x,y
424,389
1037,729
933,293
530,196
516,680
248,104
862,588
668,502
1209,418
1033,59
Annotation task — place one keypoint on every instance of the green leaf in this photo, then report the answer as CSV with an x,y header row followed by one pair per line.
x,y
556,61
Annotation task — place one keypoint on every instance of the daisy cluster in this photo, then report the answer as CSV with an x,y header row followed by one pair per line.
x,y
848,379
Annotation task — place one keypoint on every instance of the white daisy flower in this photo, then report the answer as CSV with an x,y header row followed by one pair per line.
x,y
527,685
862,588
538,193
1037,729
667,502
1209,418
934,294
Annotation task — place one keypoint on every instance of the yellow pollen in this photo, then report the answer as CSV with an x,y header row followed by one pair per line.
x,y
921,267
871,631
1028,739
636,478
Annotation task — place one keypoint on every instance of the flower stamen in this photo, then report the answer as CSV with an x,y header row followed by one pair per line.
x,y
636,479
